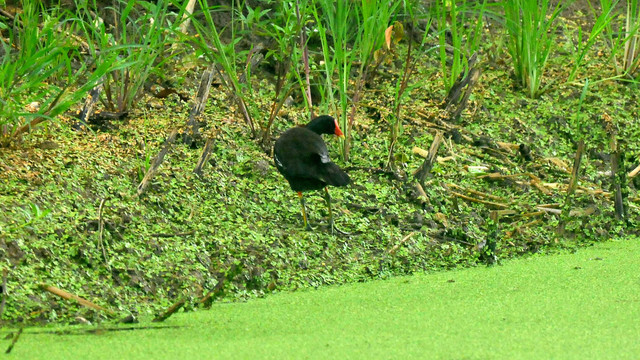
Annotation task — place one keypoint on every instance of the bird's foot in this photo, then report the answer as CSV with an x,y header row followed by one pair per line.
x,y
335,229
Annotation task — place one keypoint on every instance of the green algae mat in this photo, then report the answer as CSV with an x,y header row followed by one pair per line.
x,y
584,305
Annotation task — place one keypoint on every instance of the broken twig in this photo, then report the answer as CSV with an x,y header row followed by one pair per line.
x,y
426,166
174,235
475,192
485,202
198,105
101,232
156,163
170,311
14,341
204,157
69,296
397,246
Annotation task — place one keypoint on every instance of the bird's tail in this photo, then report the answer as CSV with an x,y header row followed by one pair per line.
x,y
335,176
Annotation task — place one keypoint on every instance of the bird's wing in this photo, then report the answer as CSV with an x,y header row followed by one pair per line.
x,y
279,163
299,151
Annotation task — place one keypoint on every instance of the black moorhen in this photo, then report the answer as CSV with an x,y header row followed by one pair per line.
x,y
301,156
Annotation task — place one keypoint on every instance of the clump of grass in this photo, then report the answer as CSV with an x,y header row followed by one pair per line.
x,y
375,16
39,54
138,39
335,18
405,82
602,22
287,28
357,32
531,28
209,44
31,213
625,40
459,34
631,59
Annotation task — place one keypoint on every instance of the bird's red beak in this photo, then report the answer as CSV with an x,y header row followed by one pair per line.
x,y
338,131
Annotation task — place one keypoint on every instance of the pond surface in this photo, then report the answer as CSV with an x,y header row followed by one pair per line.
x,y
584,305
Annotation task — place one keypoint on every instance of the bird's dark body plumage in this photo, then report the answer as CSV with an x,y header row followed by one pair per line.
x,y
301,156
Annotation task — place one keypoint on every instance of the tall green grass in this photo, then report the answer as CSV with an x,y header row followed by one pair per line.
x,y
375,17
304,17
601,23
631,58
39,55
336,18
286,26
209,44
140,39
356,31
531,29
406,82
623,38
401,91
459,26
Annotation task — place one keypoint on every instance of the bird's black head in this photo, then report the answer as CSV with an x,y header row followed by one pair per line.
x,y
325,124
